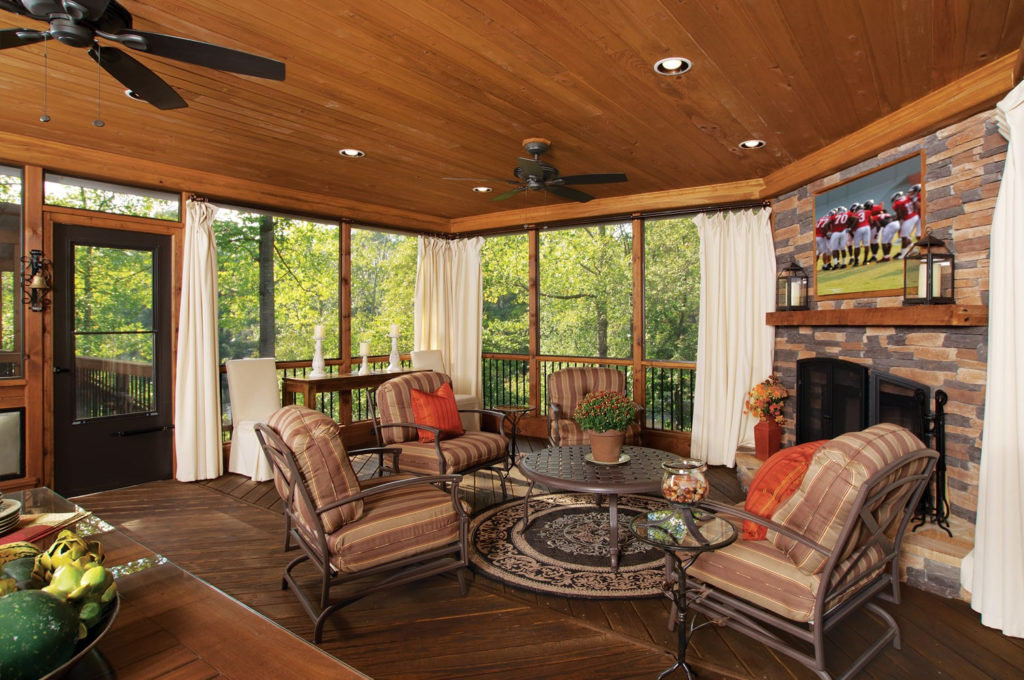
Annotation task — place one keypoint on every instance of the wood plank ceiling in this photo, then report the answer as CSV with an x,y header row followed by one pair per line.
x,y
450,88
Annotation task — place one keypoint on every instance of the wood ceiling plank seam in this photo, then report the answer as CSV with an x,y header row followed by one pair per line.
x,y
856,78
948,44
984,27
889,64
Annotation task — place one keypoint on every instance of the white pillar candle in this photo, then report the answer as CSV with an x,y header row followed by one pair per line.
x,y
364,348
318,332
922,280
796,297
394,329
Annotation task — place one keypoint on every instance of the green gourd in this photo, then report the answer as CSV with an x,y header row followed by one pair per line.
x,y
37,634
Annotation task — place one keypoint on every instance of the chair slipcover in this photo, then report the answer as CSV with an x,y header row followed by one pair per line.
x,y
254,394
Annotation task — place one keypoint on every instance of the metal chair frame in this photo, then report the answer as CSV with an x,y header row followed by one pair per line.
x,y
452,557
843,590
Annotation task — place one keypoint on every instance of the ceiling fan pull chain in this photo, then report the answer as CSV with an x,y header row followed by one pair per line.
x,y
45,118
99,120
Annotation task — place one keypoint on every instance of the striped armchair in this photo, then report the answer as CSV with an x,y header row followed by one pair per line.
x,y
401,528
830,549
395,426
565,390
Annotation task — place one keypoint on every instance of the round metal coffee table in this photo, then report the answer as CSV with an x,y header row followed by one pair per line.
x,y
567,468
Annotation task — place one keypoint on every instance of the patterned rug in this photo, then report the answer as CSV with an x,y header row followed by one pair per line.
x,y
565,550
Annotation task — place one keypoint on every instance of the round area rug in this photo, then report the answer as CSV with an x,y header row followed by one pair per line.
x,y
565,550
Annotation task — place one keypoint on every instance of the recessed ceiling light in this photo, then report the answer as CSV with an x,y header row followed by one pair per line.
x,y
672,66
134,95
752,144
351,153
482,190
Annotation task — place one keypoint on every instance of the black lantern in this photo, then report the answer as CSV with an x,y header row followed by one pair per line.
x,y
791,288
35,280
928,273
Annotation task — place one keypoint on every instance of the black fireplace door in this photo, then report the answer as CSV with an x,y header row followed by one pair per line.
x,y
831,396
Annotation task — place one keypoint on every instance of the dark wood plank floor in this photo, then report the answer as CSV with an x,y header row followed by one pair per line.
x,y
228,532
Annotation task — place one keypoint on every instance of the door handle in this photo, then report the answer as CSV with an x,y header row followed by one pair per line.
x,y
148,430
58,369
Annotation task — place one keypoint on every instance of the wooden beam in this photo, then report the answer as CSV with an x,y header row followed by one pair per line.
x,y
712,194
956,101
111,167
916,315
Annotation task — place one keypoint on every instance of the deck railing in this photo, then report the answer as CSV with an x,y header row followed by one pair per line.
x,y
668,394
110,387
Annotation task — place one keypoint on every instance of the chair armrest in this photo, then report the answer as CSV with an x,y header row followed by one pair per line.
x,y
453,480
726,509
415,426
376,449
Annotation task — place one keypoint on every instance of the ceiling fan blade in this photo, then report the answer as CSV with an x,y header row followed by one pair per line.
x,y
9,37
571,194
85,9
508,194
203,54
595,178
13,7
142,82
530,168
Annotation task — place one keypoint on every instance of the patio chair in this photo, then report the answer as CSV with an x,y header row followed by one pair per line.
x,y
565,390
830,550
429,450
395,529
254,395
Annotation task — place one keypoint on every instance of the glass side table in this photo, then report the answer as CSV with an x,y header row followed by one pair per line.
x,y
684,532
513,413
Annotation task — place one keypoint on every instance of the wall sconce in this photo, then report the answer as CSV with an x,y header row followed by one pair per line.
x,y
928,273
791,288
35,280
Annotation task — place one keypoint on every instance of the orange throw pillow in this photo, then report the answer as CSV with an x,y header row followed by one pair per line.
x,y
436,409
778,479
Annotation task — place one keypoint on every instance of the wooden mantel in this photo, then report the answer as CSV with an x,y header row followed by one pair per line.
x,y
918,315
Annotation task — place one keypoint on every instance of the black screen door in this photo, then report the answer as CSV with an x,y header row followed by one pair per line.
x,y
111,358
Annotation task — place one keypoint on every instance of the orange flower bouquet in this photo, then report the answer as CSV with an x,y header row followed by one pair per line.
x,y
765,400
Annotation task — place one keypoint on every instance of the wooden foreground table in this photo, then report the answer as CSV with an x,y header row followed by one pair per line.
x,y
172,625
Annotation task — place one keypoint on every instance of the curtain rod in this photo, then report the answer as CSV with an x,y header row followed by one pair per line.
x,y
675,212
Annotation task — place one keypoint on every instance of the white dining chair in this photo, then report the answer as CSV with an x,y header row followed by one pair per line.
x,y
430,360
255,394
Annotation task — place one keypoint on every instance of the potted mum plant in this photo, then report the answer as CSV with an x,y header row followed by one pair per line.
x,y
765,401
604,416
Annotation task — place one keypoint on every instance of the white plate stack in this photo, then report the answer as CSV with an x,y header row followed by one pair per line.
x,y
10,513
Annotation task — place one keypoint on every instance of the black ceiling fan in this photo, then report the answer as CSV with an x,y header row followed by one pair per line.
x,y
79,22
533,174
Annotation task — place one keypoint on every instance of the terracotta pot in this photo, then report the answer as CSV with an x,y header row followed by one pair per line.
x,y
606,446
767,438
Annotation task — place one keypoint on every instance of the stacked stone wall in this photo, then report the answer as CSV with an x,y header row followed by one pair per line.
x,y
964,164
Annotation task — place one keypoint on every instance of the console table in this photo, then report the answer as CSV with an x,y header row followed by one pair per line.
x,y
172,625
346,382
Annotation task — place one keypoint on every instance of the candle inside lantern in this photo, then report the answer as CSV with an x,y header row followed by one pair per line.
x,y
796,293
318,332
394,329
364,348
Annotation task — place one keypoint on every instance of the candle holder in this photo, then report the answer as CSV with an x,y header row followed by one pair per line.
x,y
365,368
318,360
394,366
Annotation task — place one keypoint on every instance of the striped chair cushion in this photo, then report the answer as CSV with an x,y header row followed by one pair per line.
x,y
823,501
760,573
394,403
567,386
462,453
395,524
323,464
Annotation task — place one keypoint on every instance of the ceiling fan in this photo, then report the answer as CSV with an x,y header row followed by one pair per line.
x,y
79,22
533,174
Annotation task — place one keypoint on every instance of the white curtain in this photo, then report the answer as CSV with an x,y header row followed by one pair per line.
x,y
735,346
197,433
449,307
994,572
